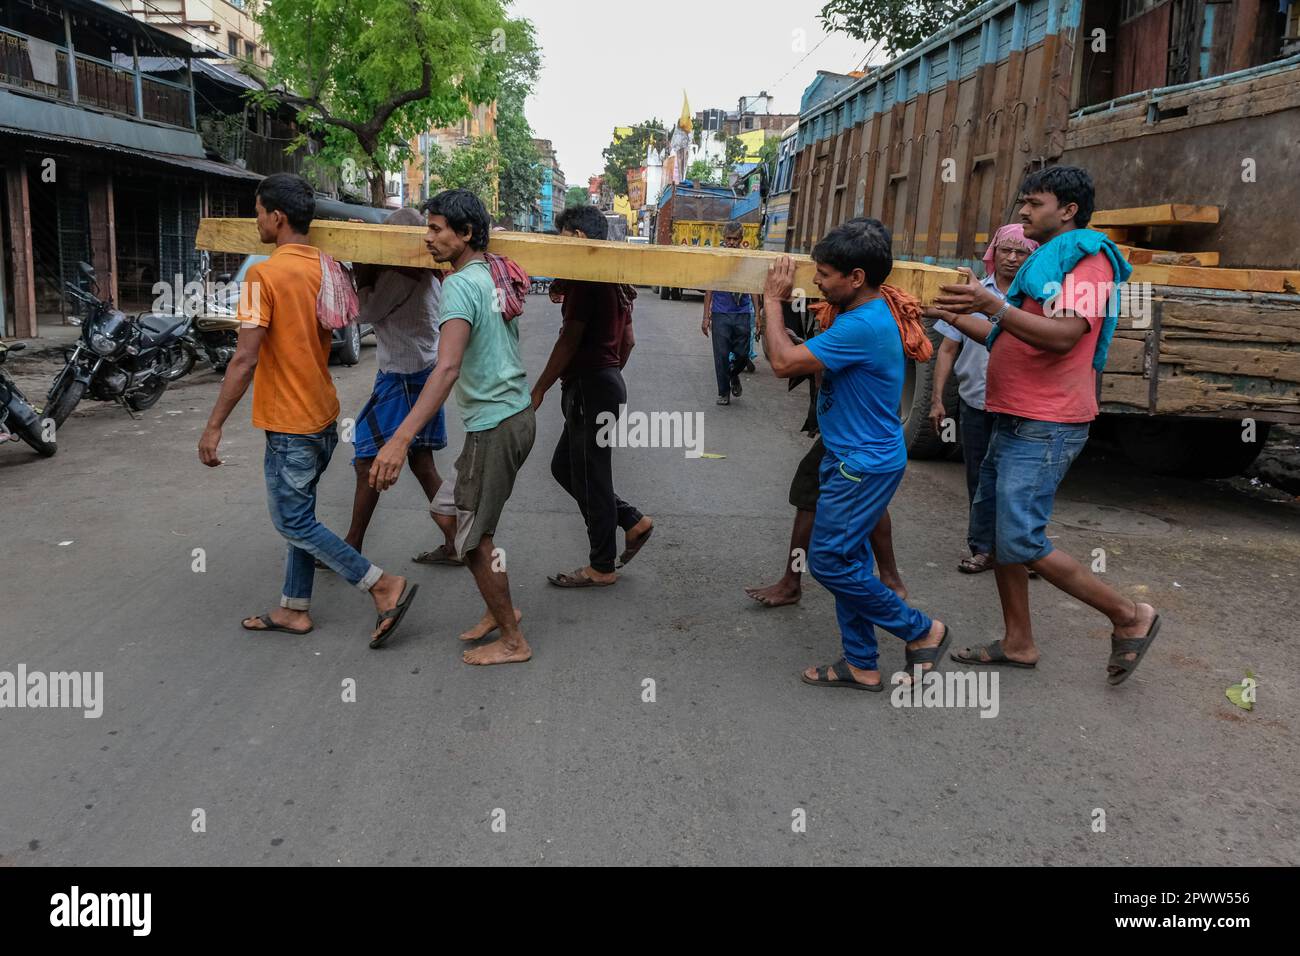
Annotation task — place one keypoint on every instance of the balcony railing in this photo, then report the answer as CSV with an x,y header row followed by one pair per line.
x,y
100,84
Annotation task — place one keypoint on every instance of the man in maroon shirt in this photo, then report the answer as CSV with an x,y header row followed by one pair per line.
x,y
593,347
1042,392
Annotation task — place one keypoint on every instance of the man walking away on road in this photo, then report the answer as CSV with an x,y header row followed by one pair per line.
x,y
861,359
594,344
730,316
402,305
284,352
1047,343
969,359
478,355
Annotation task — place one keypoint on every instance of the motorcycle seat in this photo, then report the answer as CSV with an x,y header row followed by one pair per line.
x,y
157,327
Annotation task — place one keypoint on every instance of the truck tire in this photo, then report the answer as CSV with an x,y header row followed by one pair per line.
x,y
663,291
918,385
677,295
1189,448
349,353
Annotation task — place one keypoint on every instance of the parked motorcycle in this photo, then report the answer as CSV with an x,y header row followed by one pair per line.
x,y
18,417
118,357
214,333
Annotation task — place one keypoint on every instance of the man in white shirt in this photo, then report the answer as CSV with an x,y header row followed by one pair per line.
x,y
959,353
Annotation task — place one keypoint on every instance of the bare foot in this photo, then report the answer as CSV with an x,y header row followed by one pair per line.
x,y
894,582
785,591
486,625
1138,626
504,651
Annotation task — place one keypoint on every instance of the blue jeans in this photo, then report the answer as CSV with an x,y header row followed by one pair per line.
x,y
730,334
293,466
848,509
1024,465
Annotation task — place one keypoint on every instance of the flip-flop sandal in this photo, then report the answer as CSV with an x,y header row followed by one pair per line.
x,y
396,614
439,555
928,655
631,552
1119,646
976,564
576,579
270,625
843,678
995,656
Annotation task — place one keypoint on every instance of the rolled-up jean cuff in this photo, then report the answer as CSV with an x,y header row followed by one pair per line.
x,y
295,604
371,577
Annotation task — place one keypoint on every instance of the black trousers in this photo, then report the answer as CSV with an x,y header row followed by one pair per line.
x,y
585,469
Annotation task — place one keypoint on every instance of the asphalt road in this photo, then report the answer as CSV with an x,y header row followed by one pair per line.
x,y
97,572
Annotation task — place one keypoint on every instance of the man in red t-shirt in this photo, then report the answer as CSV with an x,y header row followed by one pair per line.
x,y
1042,389
594,344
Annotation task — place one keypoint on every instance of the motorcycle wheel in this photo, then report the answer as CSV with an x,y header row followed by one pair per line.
x,y
148,396
60,406
32,436
178,360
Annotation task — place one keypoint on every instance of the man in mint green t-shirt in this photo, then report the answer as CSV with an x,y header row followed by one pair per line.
x,y
478,356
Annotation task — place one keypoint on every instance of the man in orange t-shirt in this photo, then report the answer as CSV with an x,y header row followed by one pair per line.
x,y
284,351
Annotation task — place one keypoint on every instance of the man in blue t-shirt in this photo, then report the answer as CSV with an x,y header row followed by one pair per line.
x,y
730,317
860,358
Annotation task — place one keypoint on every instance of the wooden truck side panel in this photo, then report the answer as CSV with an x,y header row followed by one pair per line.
x,y
936,143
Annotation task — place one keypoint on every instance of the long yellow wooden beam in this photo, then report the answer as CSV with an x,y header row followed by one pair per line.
x,y
559,257
1165,214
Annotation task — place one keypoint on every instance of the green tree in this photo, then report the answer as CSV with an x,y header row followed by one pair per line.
x,y
702,171
471,167
577,196
895,24
629,153
373,74
519,171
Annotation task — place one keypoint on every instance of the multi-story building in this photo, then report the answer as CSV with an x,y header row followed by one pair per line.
x,y
104,158
218,27
751,122
550,194
412,187
751,113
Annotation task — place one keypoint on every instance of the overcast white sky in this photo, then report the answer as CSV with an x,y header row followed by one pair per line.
x,y
612,63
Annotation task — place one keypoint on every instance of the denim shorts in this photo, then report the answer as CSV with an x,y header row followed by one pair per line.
x,y
1024,465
